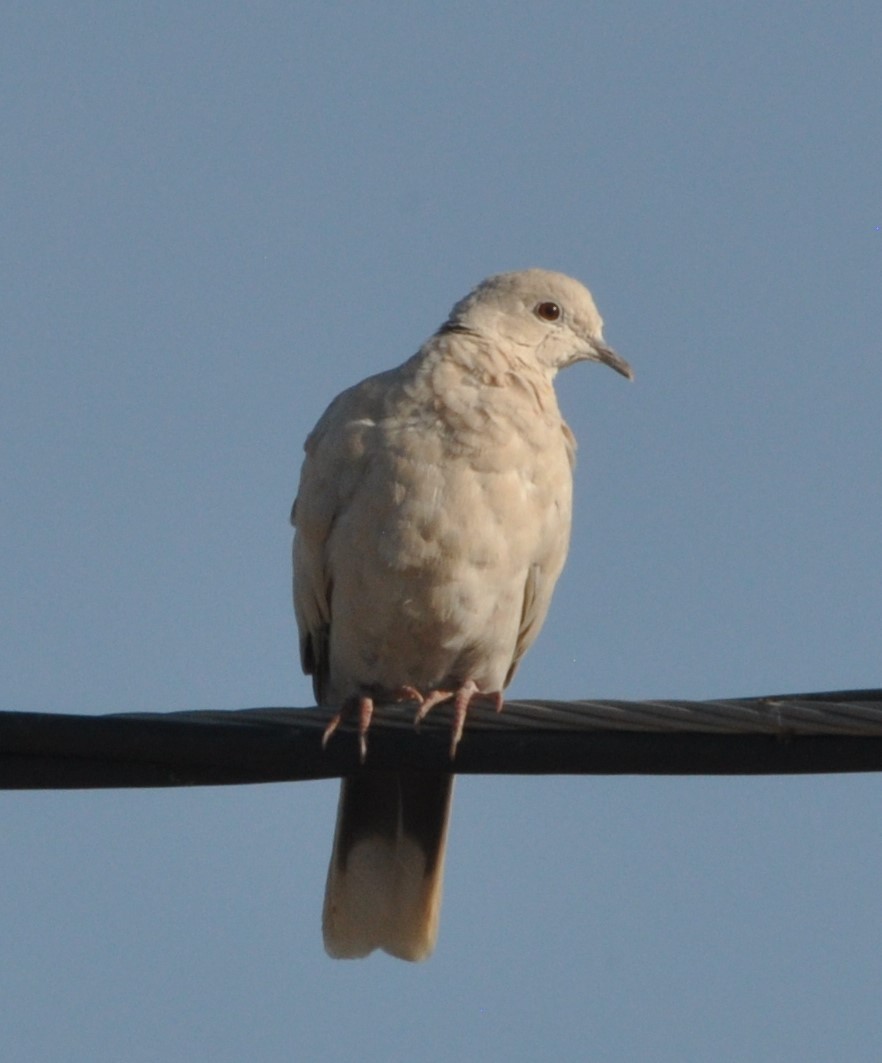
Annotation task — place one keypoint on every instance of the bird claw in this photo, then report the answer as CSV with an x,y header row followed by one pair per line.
x,y
462,699
364,706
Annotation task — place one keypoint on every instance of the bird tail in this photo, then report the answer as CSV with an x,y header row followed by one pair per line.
x,y
387,868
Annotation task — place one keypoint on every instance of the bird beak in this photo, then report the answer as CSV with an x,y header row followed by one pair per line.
x,y
606,355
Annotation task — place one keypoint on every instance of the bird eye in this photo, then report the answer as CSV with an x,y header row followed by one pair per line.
x,y
548,311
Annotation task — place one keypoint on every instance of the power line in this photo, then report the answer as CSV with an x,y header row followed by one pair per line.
x,y
827,732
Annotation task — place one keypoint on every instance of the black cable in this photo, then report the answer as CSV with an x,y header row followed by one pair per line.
x,y
829,732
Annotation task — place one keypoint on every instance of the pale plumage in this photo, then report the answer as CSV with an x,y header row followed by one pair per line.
x,y
432,522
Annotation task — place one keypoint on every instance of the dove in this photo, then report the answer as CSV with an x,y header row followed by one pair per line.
x,y
432,521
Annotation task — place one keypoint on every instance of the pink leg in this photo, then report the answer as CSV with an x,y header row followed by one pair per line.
x,y
461,703
365,708
462,699
429,701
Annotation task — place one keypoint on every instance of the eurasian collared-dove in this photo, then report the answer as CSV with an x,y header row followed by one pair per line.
x,y
432,521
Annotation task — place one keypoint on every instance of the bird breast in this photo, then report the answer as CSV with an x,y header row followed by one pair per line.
x,y
463,501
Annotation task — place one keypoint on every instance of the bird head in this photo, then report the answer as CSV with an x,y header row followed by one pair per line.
x,y
547,318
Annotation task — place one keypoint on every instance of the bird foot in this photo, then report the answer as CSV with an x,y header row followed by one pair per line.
x,y
364,708
462,699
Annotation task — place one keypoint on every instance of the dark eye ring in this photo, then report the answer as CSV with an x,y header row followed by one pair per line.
x,y
548,311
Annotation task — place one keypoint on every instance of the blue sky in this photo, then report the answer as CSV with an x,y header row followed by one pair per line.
x,y
216,217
